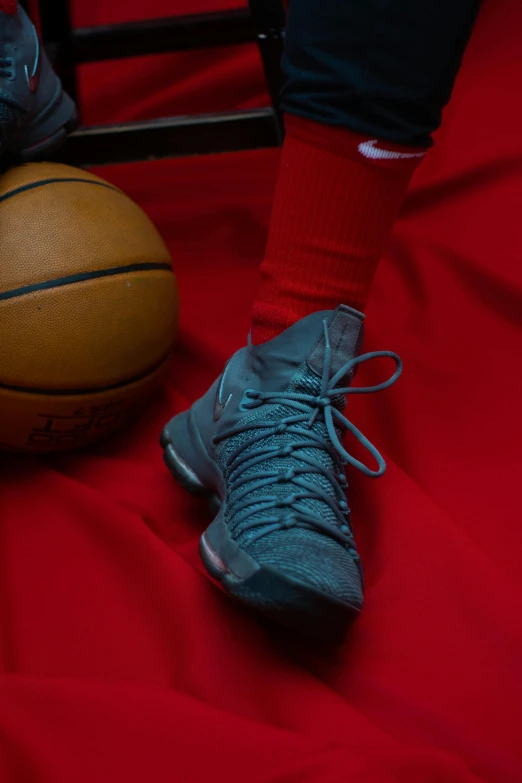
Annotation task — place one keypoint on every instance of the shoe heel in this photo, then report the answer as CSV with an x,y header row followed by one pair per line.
x,y
50,144
187,457
49,130
179,468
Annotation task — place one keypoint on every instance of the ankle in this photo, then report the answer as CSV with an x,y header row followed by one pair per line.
x,y
337,197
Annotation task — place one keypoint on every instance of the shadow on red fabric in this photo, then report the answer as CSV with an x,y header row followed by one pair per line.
x,y
120,661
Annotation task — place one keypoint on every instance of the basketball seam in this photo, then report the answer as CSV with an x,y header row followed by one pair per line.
x,y
42,182
82,277
78,278
93,390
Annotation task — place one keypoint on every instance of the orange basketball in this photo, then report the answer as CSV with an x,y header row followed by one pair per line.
x,y
88,307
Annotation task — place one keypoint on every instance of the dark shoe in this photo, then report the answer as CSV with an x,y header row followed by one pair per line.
x,y
35,113
266,440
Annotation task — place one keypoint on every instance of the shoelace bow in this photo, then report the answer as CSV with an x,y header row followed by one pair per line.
x,y
309,409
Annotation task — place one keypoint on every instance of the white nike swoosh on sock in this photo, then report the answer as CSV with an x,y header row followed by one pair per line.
x,y
369,150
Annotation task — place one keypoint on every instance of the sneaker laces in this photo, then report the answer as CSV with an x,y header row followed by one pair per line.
x,y
253,510
6,67
7,72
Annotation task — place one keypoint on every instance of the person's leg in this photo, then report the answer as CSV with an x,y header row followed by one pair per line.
x,y
338,194
363,78
366,82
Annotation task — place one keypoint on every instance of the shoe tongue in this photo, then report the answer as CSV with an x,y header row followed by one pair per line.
x,y
277,361
345,336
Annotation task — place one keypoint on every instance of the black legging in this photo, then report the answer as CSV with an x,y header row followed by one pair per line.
x,y
384,68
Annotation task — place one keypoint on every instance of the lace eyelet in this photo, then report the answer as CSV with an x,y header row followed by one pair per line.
x,y
248,400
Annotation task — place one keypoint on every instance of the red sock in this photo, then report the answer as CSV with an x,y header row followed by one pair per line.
x,y
9,6
337,197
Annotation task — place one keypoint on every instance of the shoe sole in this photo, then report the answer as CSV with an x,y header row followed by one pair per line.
x,y
281,598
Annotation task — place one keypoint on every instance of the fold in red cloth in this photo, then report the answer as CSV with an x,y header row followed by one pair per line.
x,y
119,660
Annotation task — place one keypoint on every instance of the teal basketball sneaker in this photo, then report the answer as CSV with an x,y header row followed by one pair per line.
x,y
266,442
35,113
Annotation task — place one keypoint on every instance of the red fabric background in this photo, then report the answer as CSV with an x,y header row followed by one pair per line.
x,y
120,661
